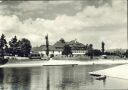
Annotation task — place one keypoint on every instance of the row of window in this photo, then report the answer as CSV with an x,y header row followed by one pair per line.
x,y
74,51
79,51
81,48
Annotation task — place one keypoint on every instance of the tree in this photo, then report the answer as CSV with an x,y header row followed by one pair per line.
x,y
62,40
13,45
24,47
67,50
126,53
90,51
86,47
3,43
90,47
97,52
6,50
47,45
102,47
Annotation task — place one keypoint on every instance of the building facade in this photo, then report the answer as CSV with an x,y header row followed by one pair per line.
x,y
57,49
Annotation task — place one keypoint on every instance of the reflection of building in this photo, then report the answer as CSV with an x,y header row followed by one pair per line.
x,y
57,48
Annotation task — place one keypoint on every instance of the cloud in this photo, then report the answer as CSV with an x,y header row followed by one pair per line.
x,y
43,9
91,25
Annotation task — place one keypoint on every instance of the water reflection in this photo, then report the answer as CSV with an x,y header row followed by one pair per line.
x,y
48,80
56,78
15,79
1,79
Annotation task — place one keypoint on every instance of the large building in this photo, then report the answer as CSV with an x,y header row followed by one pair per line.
x,y
77,48
57,49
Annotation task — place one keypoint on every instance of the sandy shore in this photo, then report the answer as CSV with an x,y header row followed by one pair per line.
x,y
62,62
120,71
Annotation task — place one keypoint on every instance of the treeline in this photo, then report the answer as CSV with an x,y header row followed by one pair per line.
x,y
90,51
15,47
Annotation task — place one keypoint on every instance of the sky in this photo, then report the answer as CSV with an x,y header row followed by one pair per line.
x,y
87,21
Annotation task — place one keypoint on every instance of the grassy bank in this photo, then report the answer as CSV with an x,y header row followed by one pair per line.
x,y
86,58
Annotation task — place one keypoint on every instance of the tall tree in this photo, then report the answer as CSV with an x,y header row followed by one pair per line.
x,y
47,45
90,47
86,47
6,50
62,40
126,53
90,51
13,45
3,43
25,47
102,47
67,50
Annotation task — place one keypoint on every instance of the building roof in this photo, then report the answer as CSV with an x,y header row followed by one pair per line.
x,y
76,45
42,47
59,45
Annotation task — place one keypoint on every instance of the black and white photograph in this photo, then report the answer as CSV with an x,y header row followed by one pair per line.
x,y
63,45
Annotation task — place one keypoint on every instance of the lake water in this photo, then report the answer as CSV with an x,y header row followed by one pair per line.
x,y
57,78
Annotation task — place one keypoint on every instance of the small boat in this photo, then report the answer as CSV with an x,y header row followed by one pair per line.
x,y
103,77
94,74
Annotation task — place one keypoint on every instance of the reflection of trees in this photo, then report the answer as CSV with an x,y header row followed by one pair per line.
x,y
69,78
17,79
104,82
54,77
74,78
38,78
48,80
1,79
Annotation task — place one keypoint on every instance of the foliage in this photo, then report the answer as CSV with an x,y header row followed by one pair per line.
x,y
47,45
3,44
126,53
3,41
62,40
97,52
67,50
24,47
103,47
13,46
16,47
94,52
90,47
90,51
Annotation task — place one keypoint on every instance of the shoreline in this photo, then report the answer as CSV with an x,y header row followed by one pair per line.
x,y
120,72
40,63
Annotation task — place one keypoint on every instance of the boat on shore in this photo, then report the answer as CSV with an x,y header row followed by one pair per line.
x,y
98,76
94,74
102,77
